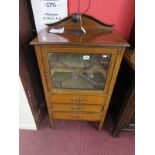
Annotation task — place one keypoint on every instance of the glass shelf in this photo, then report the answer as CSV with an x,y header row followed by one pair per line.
x,y
78,71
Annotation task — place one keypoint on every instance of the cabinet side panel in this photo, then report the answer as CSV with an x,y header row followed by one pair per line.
x,y
112,83
110,72
41,68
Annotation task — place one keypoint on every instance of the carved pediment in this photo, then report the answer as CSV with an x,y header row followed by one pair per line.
x,y
97,33
90,24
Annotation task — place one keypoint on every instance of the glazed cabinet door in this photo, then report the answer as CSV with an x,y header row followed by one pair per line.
x,y
78,69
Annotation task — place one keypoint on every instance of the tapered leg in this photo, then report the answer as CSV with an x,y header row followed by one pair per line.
x,y
51,122
100,125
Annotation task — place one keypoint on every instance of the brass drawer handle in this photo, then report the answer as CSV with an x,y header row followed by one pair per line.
x,y
73,99
77,107
76,116
77,99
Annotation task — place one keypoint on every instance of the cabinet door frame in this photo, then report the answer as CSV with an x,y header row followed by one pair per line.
x,y
80,50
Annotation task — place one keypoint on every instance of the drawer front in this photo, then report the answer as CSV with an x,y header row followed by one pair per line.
x,y
76,107
77,99
76,116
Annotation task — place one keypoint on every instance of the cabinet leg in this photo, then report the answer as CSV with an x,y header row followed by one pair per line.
x,y
101,122
52,122
100,126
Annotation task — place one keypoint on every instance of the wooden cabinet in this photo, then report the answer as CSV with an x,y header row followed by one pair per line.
x,y
79,71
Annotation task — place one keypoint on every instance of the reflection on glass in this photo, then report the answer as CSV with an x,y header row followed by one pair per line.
x,y
78,71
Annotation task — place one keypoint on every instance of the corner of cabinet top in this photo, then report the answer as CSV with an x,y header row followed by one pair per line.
x,y
65,32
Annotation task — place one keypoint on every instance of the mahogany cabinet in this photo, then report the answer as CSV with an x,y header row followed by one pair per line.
x,y
78,72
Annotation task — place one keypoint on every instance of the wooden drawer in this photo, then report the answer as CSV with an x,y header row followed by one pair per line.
x,y
77,99
75,107
76,116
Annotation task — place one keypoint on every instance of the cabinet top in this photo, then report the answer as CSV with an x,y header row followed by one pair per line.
x,y
97,33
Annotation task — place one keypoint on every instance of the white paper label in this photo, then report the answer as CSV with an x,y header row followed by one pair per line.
x,y
104,56
48,11
86,57
57,30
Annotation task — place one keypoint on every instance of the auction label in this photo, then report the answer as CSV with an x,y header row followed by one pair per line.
x,y
48,11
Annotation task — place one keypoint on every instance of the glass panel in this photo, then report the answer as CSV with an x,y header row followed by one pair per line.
x,y
78,71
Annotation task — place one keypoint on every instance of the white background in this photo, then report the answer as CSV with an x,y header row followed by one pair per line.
x,y
26,120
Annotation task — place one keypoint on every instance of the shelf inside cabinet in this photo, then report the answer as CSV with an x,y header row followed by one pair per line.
x,y
67,80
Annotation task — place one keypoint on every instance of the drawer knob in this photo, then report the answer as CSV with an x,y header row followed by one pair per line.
x,y
76,116
77,99
73,99
77,107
